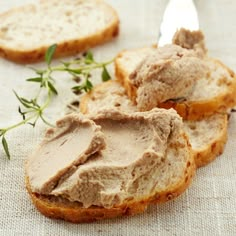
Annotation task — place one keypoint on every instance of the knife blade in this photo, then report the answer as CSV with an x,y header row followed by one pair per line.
x,y
178,14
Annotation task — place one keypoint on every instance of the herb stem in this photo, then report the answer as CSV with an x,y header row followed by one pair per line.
x,y
36,115
31,110
89,67
23,122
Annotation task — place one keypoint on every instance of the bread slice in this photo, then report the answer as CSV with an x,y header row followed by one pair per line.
x,y
26,32
107,95
215,93
207,136
173,168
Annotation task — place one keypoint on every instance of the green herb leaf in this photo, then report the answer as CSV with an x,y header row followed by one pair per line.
x,y
5,147
21,112
74,71
86,86
89,56
23,101
34,103
52,88
89,85
37,79
78,89
49,54
32,124
66,64
105,75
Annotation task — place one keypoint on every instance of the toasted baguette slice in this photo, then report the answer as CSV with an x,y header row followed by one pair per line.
x,y
207,136
109,94
215,93
26,32
173,167
59,208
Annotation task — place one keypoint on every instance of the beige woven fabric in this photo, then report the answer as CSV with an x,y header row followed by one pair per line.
x,y
209,205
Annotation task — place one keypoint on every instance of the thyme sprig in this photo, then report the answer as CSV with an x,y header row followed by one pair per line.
x,y
32,110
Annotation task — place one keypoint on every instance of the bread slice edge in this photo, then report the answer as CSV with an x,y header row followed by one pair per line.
x,y
65,48
76,214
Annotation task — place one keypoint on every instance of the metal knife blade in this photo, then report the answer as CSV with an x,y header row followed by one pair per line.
x,y
178,14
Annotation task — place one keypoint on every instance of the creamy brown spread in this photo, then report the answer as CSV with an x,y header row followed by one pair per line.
x,y
190,40
65,147
169,72
135,145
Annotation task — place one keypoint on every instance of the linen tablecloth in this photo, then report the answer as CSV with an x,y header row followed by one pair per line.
x,y
208,207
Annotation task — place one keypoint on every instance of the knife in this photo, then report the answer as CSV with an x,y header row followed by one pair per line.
x,y
178,14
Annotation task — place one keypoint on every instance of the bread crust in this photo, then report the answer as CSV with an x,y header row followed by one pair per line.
x,y
74,213
66,48
188,110
209,152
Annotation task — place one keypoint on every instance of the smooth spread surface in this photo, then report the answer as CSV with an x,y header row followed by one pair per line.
x,y
218,77
64,148
132,165
168,72
205,134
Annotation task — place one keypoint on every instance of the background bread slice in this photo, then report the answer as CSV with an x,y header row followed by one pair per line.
x,y
26,32
207,136
215,93
109,94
